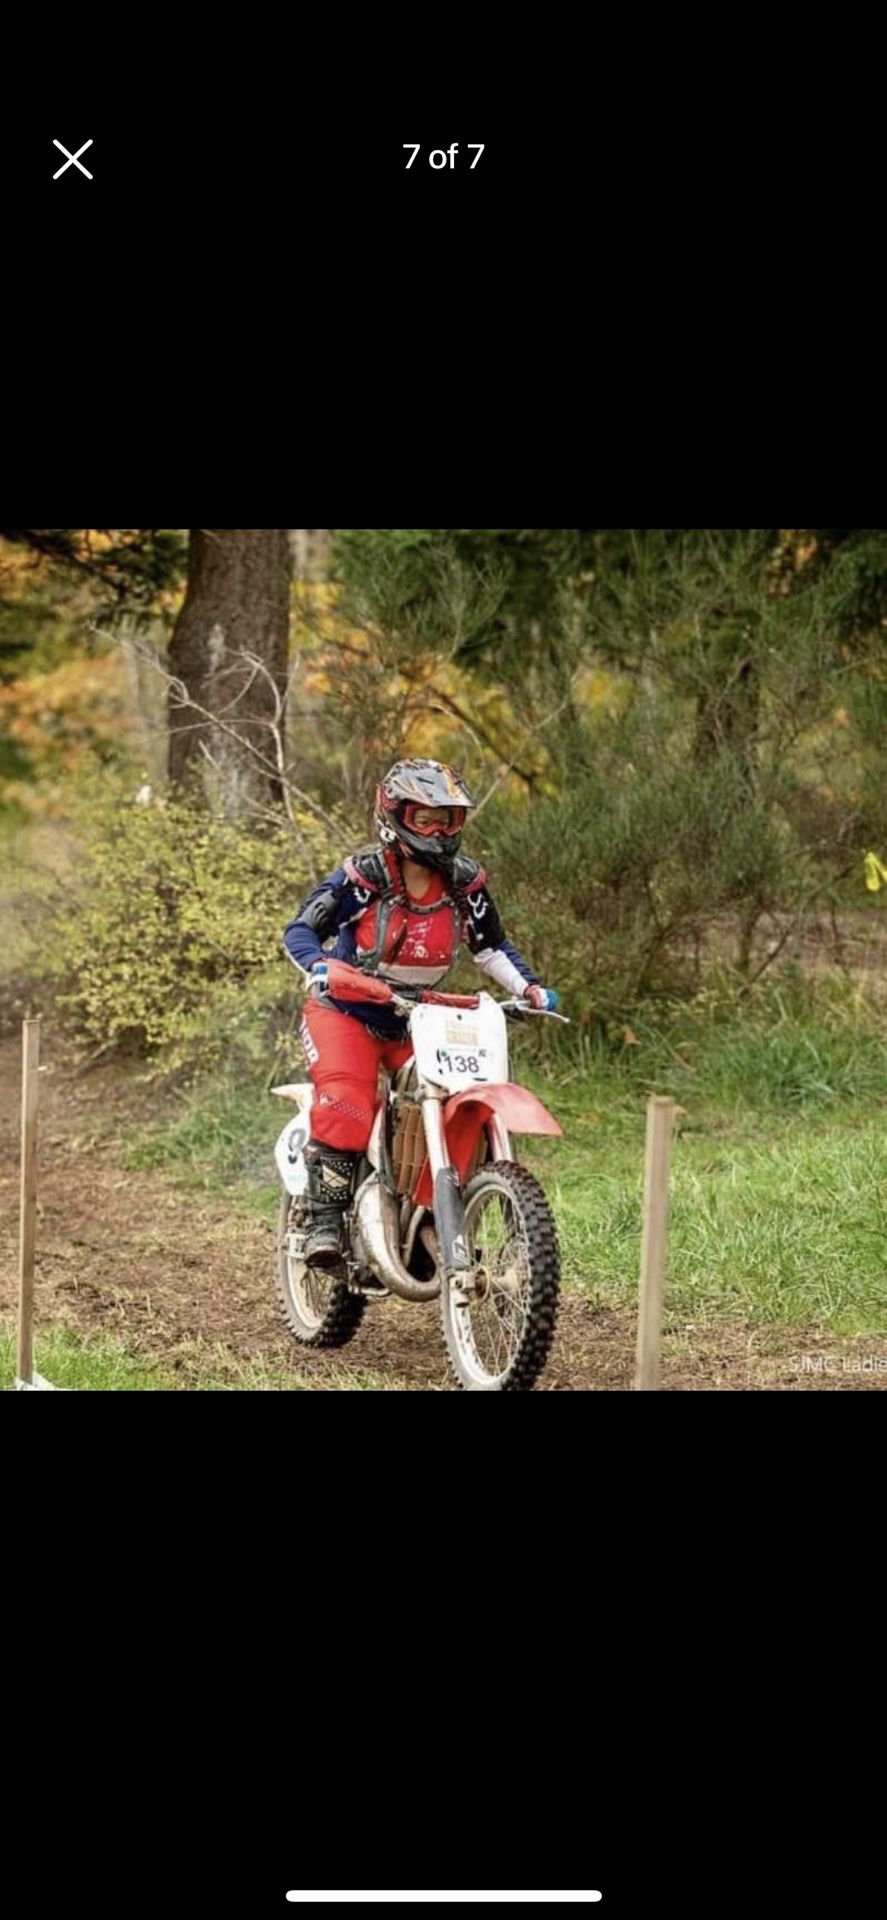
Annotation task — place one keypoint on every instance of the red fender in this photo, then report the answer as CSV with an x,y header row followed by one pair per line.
x,y
465,1114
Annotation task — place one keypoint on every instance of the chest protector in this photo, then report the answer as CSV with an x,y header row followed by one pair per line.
x,y
414,941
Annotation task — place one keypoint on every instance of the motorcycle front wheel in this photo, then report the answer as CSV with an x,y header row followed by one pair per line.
x,y
499,1330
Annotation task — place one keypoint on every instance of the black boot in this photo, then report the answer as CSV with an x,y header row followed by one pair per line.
x,y
330,1175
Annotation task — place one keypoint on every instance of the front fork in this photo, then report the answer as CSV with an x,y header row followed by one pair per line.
x,y
449,1212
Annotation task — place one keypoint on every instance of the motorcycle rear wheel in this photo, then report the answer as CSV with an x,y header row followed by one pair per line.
x,y
315,1303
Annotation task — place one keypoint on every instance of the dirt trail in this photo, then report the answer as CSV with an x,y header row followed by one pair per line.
x,y
171,1273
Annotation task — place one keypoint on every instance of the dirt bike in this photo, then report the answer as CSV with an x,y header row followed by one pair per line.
x,y
440,1207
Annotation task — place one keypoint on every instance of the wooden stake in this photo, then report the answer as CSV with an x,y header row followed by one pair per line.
x,y
28,1208
660,1115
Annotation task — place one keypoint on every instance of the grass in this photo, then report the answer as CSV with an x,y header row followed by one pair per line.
x,y
66,1359
786,1223
221,1137
779,1168
95,1364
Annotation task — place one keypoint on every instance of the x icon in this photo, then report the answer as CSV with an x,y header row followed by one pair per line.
x,y
73,158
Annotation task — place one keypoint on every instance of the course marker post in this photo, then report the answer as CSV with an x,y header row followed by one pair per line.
x,y
660,1117
26,1379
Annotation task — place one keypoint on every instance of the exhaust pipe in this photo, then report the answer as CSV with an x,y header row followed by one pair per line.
x,y
377,1233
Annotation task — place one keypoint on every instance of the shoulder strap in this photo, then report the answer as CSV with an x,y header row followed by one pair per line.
x,y
370,867
467,874
378,875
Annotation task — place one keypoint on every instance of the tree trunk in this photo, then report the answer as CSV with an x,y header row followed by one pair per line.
x,y
236,603
311,547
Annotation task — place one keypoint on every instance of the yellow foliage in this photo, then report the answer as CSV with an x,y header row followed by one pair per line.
x,y
170,929
596,687
61,717
17,566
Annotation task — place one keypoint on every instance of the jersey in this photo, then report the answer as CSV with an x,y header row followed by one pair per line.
x,y
364,908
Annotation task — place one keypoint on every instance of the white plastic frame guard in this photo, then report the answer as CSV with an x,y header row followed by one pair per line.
x,y
541,1898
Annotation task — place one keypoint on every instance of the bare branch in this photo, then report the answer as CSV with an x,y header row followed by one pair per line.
x,y
510,768
276,729
239,695
181,696
261,812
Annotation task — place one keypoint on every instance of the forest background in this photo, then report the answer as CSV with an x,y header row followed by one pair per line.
x,y
678,744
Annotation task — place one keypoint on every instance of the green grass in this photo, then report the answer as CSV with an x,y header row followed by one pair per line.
x,y
221,1141
785,1223
66,1359
95,1364
779,1166
777,1209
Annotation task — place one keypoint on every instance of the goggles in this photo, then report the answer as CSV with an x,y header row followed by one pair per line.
x,y
430,821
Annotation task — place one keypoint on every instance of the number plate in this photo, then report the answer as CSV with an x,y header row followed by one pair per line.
x,y
289,1152
455,1053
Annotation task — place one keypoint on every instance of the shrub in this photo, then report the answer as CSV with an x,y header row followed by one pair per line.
x,y
168,937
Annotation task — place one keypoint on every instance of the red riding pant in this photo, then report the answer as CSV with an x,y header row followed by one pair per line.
x,y
344,1061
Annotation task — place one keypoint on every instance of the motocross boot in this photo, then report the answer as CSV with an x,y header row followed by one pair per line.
x,y
330,1176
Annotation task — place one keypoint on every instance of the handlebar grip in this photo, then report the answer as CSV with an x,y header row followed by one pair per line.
x,y
349,983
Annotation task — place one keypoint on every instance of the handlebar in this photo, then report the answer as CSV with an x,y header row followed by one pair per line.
x,y
519,1010
351,983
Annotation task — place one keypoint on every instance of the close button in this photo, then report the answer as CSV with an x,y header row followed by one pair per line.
x,y
73,158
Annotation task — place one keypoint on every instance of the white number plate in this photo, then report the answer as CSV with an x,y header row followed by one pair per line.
x,y
455,1050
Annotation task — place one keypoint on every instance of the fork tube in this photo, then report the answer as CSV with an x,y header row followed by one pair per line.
x,y
435,1138
449,1213
500,1143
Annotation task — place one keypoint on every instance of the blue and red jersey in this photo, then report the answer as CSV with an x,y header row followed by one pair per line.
x,y
365,909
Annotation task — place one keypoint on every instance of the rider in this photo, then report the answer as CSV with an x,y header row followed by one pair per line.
x,y
399,910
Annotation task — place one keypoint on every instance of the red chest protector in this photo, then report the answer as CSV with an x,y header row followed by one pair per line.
x,y
414,941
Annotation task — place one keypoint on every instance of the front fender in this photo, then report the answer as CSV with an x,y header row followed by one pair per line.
x,y
466,1113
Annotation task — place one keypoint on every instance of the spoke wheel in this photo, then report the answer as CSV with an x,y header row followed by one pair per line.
x,y
316,1304
499,1328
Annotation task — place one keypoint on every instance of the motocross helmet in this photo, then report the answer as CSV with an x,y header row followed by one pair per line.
x,y
404,796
